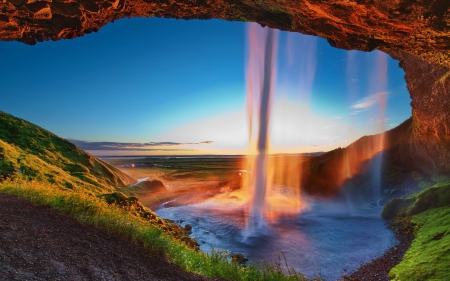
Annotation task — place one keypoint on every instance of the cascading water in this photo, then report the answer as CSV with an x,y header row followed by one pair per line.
x,y
378,87
260,219
272,190
366,156
261,77
379,84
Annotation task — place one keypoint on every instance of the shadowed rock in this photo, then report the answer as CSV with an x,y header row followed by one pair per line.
x,y
152,186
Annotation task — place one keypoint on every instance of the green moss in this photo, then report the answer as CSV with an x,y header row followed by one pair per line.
x,y
33,168
76,168
429,254
397,207
6,167
433,197
428,257
31,148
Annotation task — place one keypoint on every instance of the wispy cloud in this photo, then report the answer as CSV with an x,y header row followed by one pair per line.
x,y
367,102
358,111
379,121
133,146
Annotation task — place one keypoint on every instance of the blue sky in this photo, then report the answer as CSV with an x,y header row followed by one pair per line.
x,y
183,82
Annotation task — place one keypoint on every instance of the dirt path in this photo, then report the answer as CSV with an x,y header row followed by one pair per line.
x,y
37,243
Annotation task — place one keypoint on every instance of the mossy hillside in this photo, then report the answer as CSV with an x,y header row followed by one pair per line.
x,y
28,167
429,254
135,208
428,257
433,197
30,139
118,220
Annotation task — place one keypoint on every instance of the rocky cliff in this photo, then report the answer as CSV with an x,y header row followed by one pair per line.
x,y
327,174
429,87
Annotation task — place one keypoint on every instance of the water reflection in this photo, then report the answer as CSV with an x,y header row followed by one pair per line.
x,y
329,236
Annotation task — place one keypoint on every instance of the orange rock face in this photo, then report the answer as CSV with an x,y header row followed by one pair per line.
x,y
429,87
416,32
419,27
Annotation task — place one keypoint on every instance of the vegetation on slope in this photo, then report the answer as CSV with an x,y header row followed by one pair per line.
x,y
120,221
429,254
18,164
35,153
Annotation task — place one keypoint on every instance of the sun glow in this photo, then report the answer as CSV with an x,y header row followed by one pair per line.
x,y
268,200
273,187
268,191
313,133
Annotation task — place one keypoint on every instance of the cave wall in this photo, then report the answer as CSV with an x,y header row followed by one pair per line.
x,y
429,88
416,32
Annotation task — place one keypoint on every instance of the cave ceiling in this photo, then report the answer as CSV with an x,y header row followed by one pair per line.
x,y
419,28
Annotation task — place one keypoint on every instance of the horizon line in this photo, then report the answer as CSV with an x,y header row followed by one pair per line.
x,y
200,155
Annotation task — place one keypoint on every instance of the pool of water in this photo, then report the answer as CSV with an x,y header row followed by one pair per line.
x,y
327,239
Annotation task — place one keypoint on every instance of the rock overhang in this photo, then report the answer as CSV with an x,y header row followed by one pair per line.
x,y
419,28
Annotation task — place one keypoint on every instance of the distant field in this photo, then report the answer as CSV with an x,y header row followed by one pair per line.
x,y
197,178
194,168
186,168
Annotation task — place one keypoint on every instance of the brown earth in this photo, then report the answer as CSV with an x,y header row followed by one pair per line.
x,y
37,243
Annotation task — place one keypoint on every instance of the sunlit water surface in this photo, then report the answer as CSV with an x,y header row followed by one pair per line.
x,y
329,238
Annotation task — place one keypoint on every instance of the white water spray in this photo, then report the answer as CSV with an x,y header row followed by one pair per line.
x,y
261,79
378,83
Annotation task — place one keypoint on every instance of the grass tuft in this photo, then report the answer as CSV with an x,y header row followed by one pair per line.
x,y
92,210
